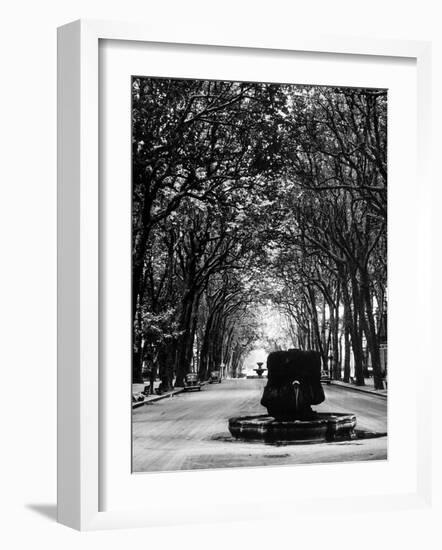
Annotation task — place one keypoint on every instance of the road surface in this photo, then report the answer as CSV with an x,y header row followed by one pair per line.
x,y
189,431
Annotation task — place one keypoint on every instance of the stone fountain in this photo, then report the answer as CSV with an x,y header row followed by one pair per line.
x,y
259,371
293,386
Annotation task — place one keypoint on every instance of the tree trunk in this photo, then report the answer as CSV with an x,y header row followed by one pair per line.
x,y
356,333
334,331
185,327
351,321
205,349
370,334
347,354
137,352
188,321
316,331
166,361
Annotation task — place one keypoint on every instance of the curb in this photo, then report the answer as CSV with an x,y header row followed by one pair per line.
x,y
155,398
358,388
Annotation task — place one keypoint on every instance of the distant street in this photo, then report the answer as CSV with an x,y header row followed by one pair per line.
x,y
190,431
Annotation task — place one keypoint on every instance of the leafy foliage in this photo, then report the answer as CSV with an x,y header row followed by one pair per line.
x,y
250,194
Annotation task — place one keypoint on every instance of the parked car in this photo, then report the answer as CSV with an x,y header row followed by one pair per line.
x,y
325,376
191,382
215,376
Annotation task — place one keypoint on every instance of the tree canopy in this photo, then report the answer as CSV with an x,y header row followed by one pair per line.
x,y
250,194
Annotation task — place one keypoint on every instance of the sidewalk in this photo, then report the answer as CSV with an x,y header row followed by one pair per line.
x,y
368,388
138,388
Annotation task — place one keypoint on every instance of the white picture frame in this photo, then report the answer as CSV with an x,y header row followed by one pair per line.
x,y
79,437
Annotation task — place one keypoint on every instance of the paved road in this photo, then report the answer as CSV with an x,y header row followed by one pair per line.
x,y
190,430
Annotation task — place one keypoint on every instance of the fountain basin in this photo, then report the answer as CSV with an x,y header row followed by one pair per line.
x,y
322,427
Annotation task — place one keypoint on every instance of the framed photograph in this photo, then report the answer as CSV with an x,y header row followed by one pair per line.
x,y
243,258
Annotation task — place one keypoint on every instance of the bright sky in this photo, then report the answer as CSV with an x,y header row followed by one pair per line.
x,y
273,326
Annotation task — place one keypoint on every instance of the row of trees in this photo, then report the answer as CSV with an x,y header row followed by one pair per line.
x,y
245,193
332,240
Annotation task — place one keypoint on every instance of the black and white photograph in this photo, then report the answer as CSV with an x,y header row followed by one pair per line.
x,y
221,272
259,274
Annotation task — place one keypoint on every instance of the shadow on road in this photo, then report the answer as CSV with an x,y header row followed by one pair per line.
x,y
359,434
